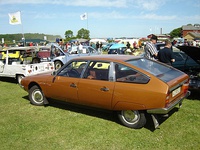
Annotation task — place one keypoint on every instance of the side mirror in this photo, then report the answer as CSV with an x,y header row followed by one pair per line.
x,y
54,73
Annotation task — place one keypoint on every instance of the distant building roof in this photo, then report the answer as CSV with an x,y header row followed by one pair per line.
x,y
34,40
191,27
195,34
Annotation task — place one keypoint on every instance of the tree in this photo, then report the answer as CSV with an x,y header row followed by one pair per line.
x,y
176,33
68,34
83,34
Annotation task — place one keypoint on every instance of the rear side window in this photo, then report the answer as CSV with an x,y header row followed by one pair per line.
x,y
163,72
127,74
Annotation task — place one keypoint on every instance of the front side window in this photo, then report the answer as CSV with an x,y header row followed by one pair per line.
x,y
74,69
126,74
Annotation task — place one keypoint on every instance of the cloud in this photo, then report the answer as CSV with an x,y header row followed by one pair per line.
x,y
157,17
150,5
85,3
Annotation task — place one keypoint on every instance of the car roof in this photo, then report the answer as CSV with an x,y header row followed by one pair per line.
x,y
108,57
18,48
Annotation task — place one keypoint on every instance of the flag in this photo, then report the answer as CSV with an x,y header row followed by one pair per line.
x,y
83,16
15,18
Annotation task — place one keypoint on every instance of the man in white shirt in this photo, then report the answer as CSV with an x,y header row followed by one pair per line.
x,y
150,49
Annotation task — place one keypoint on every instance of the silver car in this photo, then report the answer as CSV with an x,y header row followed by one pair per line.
x,y
57,55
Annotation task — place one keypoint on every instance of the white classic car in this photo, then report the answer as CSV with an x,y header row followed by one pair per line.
x,y
16,63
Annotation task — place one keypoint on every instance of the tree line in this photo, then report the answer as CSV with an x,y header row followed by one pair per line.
x,y
81,34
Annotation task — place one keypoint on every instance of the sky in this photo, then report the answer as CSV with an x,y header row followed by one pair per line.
x,y
105,18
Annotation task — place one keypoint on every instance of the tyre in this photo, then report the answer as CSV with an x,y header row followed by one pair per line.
x,y
132,118
19,78
35,60
36,96
58,64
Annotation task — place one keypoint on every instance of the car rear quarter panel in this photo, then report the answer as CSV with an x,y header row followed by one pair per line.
x,y
131,96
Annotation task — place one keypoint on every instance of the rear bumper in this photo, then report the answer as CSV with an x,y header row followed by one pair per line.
x,y
168,109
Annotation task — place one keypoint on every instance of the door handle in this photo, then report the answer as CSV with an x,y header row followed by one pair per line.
x,y
104,89
73,85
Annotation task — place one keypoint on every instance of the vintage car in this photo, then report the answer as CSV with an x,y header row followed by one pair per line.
x,y
56,54
107,46
194,68
129,85
16,63
117,48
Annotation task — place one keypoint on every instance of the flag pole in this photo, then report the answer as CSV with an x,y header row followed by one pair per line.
x,y
23,38
87,21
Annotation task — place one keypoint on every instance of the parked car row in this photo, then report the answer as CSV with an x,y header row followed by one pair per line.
x,y
131,86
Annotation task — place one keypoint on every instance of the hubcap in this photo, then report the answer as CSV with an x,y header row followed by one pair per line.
x,y
57,66
130,116
37,96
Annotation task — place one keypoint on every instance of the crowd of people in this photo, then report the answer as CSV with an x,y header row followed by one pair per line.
x,y
164,55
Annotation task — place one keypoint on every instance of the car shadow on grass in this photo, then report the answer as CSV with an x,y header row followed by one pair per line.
x,y
101,113
9,80
194,95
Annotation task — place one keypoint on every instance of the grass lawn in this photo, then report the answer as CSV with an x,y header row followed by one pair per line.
x,y
67,127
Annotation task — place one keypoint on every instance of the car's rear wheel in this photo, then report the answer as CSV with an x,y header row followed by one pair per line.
x,y
58,64
36,96
132,118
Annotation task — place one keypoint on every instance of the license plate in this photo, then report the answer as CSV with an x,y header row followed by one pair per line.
x,y
176,91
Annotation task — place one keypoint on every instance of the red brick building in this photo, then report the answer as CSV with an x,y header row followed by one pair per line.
x,y
190,28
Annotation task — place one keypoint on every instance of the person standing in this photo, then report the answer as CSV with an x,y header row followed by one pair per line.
x,y
128,48
165,55
97,46
150,49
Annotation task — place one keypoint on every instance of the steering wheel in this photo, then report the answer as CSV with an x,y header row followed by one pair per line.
x,y
73,73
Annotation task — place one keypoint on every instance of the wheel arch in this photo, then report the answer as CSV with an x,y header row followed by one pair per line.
x,y
32,84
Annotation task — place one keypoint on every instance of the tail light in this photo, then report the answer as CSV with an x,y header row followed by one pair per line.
x,y
185,87
167,99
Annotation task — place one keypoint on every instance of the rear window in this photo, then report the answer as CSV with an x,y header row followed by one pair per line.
x,y
164,73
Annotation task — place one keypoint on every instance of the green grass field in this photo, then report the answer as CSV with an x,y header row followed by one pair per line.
x,y
68,127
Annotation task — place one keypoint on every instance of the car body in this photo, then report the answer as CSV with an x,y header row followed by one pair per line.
x,y
194,71
16,63
183,61
117,48
56,54
187,59
132,86
107,46
19,53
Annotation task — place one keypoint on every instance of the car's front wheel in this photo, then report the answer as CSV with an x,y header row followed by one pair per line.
x,y
36,96
58,64
132,118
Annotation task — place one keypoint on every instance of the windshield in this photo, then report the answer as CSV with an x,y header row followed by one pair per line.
x,y
164,73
